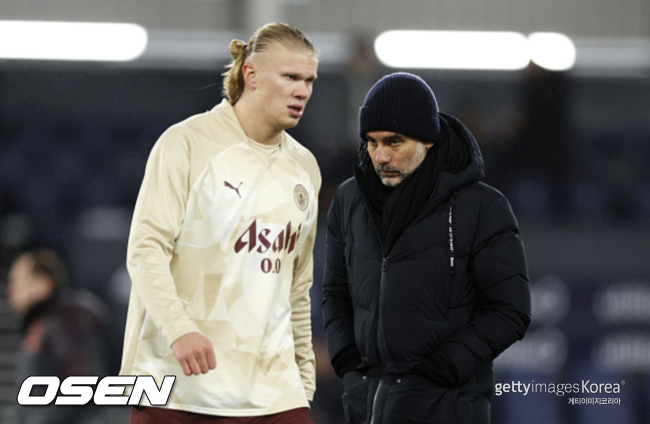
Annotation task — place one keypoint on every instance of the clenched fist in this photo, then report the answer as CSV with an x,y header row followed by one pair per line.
x,y
195,354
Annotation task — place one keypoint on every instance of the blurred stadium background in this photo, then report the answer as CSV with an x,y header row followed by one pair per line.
x,y
569,148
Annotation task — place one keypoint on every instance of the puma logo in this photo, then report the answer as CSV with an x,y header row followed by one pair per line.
x,y
227,184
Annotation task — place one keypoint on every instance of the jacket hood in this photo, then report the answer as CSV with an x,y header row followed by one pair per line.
x,y
456,131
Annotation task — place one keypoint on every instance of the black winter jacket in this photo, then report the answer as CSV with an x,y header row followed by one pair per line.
x,y
451,293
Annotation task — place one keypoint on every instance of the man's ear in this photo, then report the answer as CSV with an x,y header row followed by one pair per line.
x,y
250,74
428,145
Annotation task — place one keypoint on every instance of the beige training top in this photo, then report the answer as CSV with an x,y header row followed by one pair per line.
x,y
221,243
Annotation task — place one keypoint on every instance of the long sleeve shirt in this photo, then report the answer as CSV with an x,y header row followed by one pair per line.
x,y
221,243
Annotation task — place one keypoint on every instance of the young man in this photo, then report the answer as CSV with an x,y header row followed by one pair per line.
x,y
220,250
56,321
426,278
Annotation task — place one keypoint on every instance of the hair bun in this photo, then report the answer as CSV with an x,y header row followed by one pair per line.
x,y
237,47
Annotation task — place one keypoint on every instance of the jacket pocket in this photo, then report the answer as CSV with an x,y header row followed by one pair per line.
x,y
355,397
415,400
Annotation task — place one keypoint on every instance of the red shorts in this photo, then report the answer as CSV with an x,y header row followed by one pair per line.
x,y
150,415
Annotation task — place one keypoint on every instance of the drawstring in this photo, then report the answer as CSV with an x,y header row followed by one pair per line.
x,y
451,236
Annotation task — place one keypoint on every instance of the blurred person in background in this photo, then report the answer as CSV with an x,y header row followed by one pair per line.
x,y
63,333
425,278
221,248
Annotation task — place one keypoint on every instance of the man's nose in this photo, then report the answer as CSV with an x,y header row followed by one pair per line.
x,y
303,91
381,155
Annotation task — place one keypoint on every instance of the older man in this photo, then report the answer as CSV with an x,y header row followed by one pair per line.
x,y
426,278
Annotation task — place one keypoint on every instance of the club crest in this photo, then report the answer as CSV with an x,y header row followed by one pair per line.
x,y
301,197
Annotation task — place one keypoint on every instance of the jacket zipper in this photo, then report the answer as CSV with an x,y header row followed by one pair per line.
x,y
374,402
384,266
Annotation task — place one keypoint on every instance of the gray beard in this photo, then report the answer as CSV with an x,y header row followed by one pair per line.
x,y
402,174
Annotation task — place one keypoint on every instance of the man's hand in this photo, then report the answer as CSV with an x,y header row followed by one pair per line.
x,y
195,353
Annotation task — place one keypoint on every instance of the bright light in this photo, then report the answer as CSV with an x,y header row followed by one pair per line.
x,y
552,51
71,41
453,50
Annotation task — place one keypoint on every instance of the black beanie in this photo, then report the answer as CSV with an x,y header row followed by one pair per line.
x,y
402,103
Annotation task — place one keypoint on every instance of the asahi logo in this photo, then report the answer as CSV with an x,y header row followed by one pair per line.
x,y
260,239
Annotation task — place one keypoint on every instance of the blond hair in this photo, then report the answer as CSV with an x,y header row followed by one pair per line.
x,y
264,37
